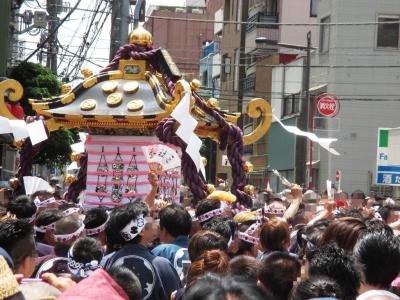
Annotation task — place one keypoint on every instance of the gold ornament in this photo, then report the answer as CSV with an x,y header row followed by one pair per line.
x,y
222,196
213,103
249,189
141,37
115,99
135,105
109,87
69,178
248,167
195,84
88,104
75,156
13,183
204,161
131,87
19,143
86,72
210,188
66,88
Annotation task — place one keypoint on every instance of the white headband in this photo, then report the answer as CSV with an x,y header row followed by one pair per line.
x,y
275,211
71,211
70,236
80,269
96,230
133,228
248,235
208,215
44,203
44,228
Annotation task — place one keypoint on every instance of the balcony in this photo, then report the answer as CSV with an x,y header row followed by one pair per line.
x,y
267,30
212,47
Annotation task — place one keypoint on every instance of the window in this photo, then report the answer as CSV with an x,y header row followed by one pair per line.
x,y
291,104
324,35
227,64
388,34
313,8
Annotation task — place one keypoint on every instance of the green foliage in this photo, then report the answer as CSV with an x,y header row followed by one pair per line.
x,y
39,82
56,150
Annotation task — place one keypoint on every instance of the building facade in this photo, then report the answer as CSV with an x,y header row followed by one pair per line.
x,y
363,72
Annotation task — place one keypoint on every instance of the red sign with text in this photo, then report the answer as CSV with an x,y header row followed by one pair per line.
x,y
328,105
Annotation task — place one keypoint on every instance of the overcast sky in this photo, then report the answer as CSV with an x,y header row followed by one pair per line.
x,y
71,33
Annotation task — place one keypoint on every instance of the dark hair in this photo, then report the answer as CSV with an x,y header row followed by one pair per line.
x,y
330,260
205,240
378,226
67,225
22,207
16,237
385,211
47,217
127,280
277,272
119,218
207,205
212,287
345,232
175,220
317,287
244,246
358,194
87,249
378,255
308,237
244,267
225,226
95,217
211,261
274,234
354,213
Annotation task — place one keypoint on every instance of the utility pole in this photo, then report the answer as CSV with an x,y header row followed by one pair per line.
x,y
301,142
52,48
120,20
242,59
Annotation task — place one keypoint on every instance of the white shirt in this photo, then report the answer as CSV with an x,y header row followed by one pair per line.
x,y
374,293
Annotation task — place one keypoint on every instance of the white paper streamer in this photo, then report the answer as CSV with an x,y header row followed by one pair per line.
x,y
323,142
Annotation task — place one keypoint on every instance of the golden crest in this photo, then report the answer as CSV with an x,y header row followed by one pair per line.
x,y
131,87
88,104
114,99
135,105
109,87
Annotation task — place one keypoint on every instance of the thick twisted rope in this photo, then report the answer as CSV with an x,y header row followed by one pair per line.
x,y
80,184
165,133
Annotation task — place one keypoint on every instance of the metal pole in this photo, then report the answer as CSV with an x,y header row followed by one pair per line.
x,y
242,56
301,142
311,145
52,48
119,25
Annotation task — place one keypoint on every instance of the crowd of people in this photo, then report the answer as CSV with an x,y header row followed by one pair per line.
x,y
294,247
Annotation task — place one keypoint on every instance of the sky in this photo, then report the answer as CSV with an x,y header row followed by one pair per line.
x,y
72,32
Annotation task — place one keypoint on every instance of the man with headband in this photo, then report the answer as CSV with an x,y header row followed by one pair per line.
x,y
128,231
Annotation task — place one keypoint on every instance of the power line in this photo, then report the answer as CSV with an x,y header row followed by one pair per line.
x,y
50,34
276,23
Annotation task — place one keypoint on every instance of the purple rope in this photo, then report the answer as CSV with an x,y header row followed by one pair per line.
x,y
165,133
130,51
80,184
231,138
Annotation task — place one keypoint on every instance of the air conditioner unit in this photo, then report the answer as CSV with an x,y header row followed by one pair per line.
x,y
40,19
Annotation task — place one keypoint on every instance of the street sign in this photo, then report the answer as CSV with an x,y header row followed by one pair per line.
x,y
328,105
388,160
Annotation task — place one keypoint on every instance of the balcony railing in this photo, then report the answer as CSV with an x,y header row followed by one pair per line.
x,y
262,17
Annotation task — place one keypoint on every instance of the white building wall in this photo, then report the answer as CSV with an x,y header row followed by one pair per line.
x,y
359,120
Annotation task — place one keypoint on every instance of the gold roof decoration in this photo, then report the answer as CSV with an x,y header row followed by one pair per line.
x,y
133,93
